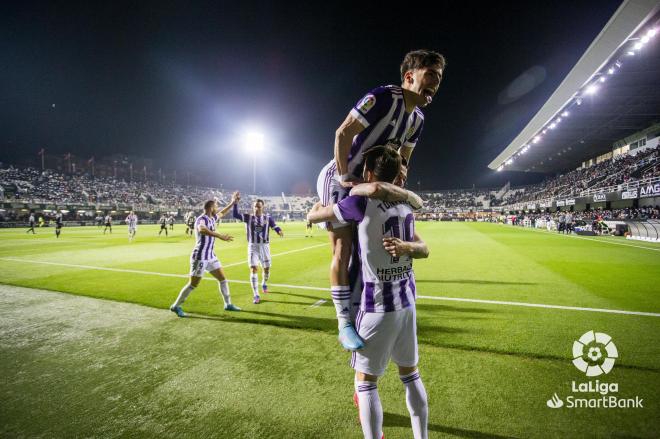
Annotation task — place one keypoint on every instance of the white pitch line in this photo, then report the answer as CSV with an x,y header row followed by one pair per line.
x,y
303,287
589,239
318,303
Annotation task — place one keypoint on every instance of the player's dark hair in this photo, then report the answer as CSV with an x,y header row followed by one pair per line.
x,y
259,200
384,162
419,59
208,204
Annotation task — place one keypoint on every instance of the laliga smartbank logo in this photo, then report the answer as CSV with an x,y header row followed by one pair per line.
x,y
594,354
600,353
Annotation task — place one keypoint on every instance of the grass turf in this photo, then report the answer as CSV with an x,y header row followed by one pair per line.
x,y
80,367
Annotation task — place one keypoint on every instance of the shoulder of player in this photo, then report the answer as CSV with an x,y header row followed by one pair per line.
x,y
390,91
419,113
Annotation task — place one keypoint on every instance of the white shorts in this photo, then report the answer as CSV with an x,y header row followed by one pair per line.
x,y
330,191
259,254
132,229
198,267
386,335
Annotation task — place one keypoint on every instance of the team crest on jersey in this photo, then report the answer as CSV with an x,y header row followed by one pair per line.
x,y
410,132
367,103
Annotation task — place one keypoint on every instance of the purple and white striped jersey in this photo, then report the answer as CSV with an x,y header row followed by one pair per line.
x,y
203,250
388,282
382,112
256,227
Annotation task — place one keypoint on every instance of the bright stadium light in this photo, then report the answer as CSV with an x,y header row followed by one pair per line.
x,y
631,53
638,45
552,126
651,33
500,168
537,139
610,71
591,89
565,113
645,39
254,144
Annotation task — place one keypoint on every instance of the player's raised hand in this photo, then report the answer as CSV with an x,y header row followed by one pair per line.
x,y
236,197
395,246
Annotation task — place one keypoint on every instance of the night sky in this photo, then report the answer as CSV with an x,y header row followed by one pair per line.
x,y
182,82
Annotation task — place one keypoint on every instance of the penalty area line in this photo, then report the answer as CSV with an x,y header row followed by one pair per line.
x,y
310,288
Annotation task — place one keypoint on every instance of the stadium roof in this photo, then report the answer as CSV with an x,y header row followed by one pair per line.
x,y
612,92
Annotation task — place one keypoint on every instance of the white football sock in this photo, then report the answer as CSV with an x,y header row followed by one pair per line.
x,y
371,411
224,291
183,294
417,403
254,282
266,275
341,297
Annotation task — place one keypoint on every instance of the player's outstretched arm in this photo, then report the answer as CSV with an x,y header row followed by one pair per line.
x,y
344,135
416,249
387,192
320,213
234,198
272,225
203,230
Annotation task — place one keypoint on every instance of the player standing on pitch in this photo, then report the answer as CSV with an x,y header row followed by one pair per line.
x,y
163,224
31,221
132,222
108,224
203,257
386,319
386,114
58,224
257,227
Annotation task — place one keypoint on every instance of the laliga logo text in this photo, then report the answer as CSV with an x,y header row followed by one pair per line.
x,y
594,354
600,352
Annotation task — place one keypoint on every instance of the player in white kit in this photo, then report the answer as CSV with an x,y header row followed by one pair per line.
x,y
389,114
386,319
257,227
132,222
203,257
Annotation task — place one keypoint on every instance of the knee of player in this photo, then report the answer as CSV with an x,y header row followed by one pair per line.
x,y
360,376
254,269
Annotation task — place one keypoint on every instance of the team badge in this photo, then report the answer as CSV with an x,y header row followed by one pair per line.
x,y
367,103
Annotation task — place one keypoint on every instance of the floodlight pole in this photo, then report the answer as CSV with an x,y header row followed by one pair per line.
x,y
254,173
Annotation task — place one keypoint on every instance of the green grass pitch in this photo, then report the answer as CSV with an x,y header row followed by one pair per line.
x,y
75,366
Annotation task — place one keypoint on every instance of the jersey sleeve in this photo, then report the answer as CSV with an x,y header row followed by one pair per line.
x,y
373,106
272,225
415,132
245,217
350,209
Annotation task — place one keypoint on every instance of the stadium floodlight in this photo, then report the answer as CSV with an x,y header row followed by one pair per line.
x,y
558,120
638,45
537,139
651,33
500,168
552,126
610,71
565,113
254,144
645,39
509,161
602,79
591,89
631,53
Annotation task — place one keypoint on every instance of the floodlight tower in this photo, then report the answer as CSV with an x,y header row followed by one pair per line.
x,y
254,143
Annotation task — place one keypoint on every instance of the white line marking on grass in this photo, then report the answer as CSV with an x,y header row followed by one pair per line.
x,y
233,264
541,305
318,303
303,287
602,241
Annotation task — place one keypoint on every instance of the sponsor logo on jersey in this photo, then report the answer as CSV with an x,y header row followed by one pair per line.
x,y
367,103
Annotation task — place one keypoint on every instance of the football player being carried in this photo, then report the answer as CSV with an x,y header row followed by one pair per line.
x,y
203,257
385,114
386,319
257,227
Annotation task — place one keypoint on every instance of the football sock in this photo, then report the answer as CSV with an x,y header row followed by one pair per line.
x,y
266,276
341,297
417,403
254,282
224,291
371,411
183,295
